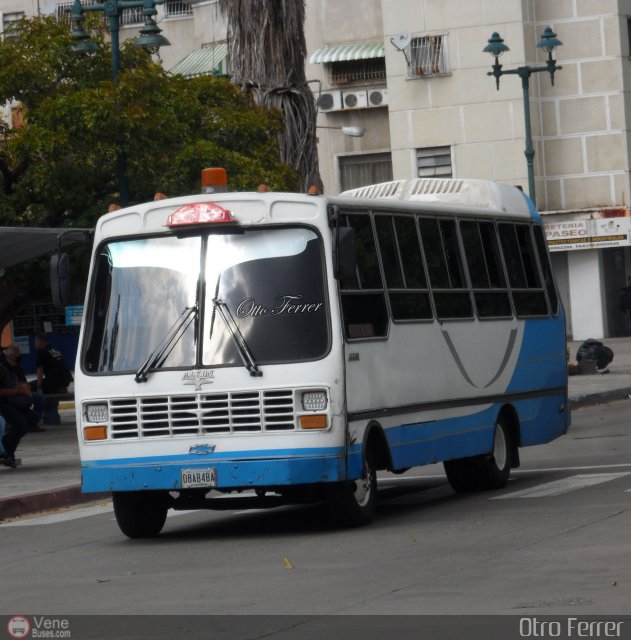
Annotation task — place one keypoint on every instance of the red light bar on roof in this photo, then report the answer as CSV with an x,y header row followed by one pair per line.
x,y
199,213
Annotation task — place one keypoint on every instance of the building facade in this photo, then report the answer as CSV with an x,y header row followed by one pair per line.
x,y
413,76
445,117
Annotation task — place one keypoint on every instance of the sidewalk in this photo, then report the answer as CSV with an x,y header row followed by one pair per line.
x,y
597,389
51,476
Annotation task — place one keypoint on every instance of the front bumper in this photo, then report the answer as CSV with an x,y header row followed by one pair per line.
x,y
166,473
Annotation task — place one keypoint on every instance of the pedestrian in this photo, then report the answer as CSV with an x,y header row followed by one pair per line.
x,y
12,356
15,409
625,298
53,376
3,425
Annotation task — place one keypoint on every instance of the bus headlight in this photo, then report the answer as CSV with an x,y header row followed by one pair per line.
x,y
97,412
314,401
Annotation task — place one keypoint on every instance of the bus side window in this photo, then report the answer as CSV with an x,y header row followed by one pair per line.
x,y
403,267
95,330
481,248
363,297
546,268
444,264
523,274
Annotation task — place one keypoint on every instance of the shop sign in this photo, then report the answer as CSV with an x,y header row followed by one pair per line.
x,y
74,314
568,232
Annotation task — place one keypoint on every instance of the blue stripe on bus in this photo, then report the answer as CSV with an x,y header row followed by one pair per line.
x,y
534,214
542,361
219,456
138,474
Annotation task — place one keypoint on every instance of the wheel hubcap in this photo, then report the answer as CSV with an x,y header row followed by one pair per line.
x,y
499,448
363,487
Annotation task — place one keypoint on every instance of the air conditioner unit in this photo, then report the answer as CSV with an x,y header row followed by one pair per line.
x,y
330,101
377,97
355,99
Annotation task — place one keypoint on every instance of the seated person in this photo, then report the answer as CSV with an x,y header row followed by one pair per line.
x,y
11,357
15,409
53,376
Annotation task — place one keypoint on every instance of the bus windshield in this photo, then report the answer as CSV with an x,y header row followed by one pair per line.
x,y
271,281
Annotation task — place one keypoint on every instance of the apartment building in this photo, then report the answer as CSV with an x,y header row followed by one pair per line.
x,y
412,75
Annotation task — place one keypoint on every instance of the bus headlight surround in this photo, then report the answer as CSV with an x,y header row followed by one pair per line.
x,y
314,401
97,412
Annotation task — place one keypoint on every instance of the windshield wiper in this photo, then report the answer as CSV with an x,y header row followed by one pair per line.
x,y
161,352
242,346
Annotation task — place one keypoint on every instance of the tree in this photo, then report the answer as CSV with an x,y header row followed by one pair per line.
x,y
59,167
267,55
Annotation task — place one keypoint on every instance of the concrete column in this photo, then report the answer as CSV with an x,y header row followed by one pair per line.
x,y
586,294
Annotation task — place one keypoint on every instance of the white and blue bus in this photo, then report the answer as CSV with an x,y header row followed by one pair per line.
x,y
294,345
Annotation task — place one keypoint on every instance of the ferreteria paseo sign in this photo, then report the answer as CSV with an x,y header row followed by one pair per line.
x,y
595,229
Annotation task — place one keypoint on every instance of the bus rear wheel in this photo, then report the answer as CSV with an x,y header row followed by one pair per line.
x,y
489,471
140,514
354,503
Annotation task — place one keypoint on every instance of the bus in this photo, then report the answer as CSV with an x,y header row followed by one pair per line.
x,y
286,347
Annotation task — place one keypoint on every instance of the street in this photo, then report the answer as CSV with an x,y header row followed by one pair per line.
x,y
554,541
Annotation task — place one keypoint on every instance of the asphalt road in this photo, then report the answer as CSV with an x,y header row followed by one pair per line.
x,y
554,541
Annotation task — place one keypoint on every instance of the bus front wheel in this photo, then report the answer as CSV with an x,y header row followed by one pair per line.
x,y
489,471
140,514
354,503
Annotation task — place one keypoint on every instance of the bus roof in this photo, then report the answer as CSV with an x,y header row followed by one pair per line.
x,y
476,194
461,197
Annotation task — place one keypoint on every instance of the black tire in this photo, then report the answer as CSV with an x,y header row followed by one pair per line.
x,y
461,474
140,514
489,471
353,504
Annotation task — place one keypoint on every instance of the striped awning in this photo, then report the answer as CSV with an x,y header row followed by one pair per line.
x,y
209,61
349,51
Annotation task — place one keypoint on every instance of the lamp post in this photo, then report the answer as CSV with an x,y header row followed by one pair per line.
x,y
150,38
496,48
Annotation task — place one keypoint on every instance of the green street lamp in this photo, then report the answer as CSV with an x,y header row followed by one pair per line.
x,y
496,48
150,39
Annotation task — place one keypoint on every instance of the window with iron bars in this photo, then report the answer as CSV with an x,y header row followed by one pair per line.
x,y
433,162
132,16
176,8
351,71
63,10
9,22
427,56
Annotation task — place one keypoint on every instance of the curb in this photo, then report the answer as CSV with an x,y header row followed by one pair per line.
x,y
27,503
601,397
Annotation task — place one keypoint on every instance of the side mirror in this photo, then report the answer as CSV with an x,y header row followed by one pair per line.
x,y
344,253
60,287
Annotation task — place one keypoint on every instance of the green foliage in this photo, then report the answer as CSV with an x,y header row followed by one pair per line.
x,y
59,168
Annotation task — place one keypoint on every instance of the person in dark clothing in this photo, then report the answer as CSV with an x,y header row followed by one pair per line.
x,y
53,376
15,408
625,298
12,356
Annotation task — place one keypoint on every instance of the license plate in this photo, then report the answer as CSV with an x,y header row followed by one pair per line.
x,y
199,478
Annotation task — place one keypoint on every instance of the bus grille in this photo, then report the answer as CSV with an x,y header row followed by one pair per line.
x,y
247,411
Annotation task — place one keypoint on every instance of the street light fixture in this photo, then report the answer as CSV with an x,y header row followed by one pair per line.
x,y
353,132
496,47
150,39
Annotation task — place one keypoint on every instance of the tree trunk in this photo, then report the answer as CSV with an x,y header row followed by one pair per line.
x,y
267,57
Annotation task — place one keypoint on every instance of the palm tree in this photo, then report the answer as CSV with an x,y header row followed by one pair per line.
x,y
267,53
